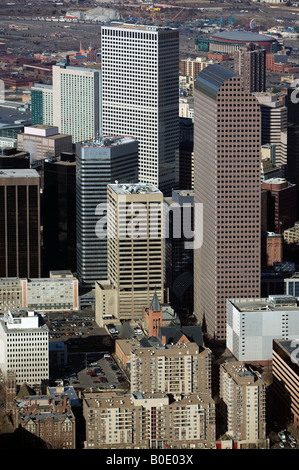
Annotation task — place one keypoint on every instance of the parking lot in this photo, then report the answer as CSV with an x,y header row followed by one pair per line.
x,y
67,327
94,372
90,363
125,330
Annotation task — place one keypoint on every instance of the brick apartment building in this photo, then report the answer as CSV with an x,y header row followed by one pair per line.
x,y
149,421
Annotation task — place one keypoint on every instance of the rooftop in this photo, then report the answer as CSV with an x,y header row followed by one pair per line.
x,y
243,36
211,78
20,173
135,188
240,373
271,303
138,27
287,345
151,345
108,141
77,69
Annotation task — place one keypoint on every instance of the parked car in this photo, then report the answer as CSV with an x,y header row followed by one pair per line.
x,y
282,435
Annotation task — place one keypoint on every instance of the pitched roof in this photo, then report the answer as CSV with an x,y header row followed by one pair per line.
x,y
155,304
174,334
25,391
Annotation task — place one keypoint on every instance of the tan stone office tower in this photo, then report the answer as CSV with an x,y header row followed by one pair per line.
x,y
227,134
134,251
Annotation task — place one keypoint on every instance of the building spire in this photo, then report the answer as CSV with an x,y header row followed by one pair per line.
x,y
155,304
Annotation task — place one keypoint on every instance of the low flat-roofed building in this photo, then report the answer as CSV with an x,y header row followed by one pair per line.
x,y
59,292
252,325
144,421
123,348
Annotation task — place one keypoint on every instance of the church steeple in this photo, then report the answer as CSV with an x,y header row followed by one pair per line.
x,y
155,304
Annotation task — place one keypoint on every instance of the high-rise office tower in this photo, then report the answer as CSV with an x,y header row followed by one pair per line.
x,y
59,213
250,64
178,258
292,172
76,101
186,154
227,137
99,162
19,223
135,251
140,67
274,126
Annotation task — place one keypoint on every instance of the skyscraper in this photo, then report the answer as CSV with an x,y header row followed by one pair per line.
x,y
227,183
292,172
274,126
19,223
59,213
76,101
99,162
179,259
140,67
250,64
135,251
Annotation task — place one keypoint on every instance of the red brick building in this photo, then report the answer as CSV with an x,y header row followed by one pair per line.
x,y
47,417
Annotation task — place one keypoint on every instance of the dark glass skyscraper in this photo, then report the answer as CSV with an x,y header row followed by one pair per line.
x,y
99,162
19,223
59,213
